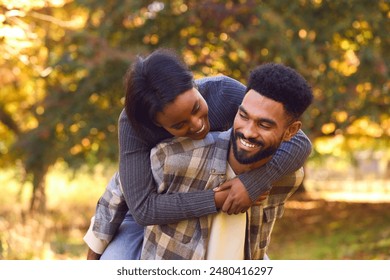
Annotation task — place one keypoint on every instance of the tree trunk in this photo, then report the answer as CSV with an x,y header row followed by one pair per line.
x,y
38,199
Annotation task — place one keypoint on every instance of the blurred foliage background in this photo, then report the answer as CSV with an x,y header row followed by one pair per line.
x,y
61,91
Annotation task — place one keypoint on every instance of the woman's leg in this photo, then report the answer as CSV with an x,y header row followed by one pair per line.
x,y
127,242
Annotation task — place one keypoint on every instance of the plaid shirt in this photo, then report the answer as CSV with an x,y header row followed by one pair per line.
x,y
183,165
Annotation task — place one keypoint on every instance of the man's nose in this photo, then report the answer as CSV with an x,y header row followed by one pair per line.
x,y
249,130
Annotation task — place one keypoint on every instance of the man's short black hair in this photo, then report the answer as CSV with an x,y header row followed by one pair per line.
x,y
282,84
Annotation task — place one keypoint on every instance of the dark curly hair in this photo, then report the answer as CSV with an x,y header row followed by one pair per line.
x,y
282,84
153,82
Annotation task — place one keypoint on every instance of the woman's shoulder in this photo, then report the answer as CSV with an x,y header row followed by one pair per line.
x,y
220,81
221,91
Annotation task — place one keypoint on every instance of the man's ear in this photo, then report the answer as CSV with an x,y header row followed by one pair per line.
x,y
291,130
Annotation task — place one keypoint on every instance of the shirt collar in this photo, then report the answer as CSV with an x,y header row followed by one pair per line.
x,y
220,154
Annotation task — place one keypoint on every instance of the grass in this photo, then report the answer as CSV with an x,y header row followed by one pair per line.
x,y
311,228
330,230
57,234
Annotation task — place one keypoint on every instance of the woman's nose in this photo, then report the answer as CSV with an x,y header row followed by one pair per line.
x,y
196,124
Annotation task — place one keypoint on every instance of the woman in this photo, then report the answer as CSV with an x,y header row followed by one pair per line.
x,y
152,88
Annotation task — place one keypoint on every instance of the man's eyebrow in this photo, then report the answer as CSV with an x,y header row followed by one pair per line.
x,y
241,108
266,120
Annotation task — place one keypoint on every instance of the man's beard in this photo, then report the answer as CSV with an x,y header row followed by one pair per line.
x,y
242,156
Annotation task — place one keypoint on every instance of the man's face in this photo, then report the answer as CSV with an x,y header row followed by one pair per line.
x,y
259,127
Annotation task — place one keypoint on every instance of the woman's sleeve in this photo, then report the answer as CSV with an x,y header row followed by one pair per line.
x,y
290,156
139,189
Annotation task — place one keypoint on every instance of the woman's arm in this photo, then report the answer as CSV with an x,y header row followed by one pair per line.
x,y
140,191
223,95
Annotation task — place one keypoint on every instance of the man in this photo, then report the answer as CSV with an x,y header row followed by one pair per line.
x,y
269,114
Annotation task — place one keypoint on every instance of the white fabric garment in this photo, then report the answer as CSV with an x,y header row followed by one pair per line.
x,y
227,233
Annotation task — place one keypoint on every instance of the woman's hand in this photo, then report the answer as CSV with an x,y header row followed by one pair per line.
x,y
238,200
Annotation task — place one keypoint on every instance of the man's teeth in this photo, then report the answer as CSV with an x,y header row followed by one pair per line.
x,y
247,144
201,130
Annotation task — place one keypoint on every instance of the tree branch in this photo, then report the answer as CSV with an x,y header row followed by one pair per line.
x,y
7,120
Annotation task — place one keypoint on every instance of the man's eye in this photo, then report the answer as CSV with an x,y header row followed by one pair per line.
x,y
242,116
264,125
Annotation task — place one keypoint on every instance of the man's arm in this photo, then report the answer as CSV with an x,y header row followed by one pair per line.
x,y
140,191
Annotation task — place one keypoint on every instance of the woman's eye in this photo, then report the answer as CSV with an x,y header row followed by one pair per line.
x,y
177,127
196,109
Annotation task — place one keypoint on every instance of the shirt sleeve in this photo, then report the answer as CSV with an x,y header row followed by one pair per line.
x,y
95,244
290,156
110,211
157,159
140,191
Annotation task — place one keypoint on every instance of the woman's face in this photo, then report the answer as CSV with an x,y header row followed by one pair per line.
x,y
186,116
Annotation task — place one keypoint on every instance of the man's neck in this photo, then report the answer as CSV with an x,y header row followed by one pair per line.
x,y
239,168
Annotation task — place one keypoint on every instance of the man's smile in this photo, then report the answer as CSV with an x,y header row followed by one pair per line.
x,y
247,143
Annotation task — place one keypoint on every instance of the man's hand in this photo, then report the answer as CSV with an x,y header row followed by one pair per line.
x,y
238,200
92,255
